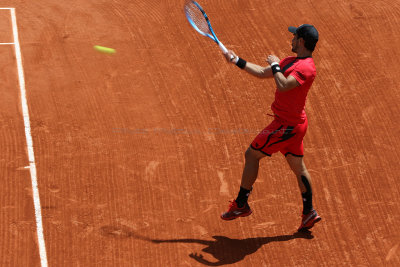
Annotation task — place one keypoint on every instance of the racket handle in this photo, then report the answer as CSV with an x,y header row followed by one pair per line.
x,y
224,50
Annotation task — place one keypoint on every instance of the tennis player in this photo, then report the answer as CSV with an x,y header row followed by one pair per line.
x,y
293,77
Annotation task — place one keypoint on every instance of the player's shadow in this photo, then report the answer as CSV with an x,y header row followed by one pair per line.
x,y
228,251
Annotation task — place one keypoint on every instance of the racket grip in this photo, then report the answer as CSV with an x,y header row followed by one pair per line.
x,y
223,48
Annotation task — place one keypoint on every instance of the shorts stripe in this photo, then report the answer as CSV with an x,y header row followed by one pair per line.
x,y
286,135
269,136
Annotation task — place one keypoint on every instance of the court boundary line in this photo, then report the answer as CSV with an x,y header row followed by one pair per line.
x,y
29,141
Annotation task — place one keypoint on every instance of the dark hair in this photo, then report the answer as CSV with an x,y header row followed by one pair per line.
x,y
310,45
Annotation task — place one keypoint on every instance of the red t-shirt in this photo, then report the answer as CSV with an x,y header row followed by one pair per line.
x,y
289,105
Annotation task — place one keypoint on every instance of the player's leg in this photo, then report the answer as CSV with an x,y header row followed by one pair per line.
x,y
298,167
258,149
249,175
250,170
309,216
239,207
267,142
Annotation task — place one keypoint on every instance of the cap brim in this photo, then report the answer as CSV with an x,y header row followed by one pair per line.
x,y
292,29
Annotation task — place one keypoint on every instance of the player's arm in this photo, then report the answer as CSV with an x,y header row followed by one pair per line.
x,y
282,83
258,71
253,69
285,84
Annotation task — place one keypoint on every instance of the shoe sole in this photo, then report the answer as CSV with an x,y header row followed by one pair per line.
x,y
312,225
237,216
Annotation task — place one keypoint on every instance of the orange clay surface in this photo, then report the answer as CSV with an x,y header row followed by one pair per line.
x,y
138,153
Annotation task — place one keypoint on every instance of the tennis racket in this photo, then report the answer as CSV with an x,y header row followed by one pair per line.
x,y
200,22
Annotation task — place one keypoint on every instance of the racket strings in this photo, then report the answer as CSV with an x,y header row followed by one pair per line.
x,y
196,16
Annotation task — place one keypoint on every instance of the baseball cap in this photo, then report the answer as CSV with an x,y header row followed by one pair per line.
x,y
308,32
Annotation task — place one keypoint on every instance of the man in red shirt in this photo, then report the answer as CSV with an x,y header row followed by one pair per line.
x,y
293,77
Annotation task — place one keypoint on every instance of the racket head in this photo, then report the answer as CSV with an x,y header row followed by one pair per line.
x,y
197,17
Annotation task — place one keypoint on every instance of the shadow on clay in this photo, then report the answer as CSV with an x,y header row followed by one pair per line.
x,y
224,249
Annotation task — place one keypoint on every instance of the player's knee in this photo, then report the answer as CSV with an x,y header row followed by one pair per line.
x,y
299,170
252,155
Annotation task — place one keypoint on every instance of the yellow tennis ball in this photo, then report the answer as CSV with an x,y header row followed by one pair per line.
x,y
105,50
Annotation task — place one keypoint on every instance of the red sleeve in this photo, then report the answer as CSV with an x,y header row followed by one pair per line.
x,y
299,76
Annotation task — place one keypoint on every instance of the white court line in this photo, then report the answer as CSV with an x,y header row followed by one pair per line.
x,y
29,142
6,43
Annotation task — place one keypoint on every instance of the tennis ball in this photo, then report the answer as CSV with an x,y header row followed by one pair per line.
x,y
105,50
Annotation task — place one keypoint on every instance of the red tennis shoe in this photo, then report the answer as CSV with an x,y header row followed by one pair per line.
x,y
235,212
308,220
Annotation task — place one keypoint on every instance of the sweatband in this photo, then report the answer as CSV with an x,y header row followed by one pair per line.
x,y
241,63
275,68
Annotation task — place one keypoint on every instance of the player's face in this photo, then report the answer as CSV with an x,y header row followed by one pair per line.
x,y
295,43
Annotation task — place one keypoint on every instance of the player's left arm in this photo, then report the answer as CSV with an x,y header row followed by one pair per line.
x,y
282,83
285,84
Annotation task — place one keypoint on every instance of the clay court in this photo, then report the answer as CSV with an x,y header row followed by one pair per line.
x,y
136,154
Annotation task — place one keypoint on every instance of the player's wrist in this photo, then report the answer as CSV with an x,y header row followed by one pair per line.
x,y
241,63
275,67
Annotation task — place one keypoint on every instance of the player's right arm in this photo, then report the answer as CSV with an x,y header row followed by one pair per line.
x,y
253,69
258,71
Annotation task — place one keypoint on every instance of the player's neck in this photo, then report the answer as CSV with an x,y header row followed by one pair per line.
x,y
304,54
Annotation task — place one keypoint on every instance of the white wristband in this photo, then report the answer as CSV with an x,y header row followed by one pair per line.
x,y
274,63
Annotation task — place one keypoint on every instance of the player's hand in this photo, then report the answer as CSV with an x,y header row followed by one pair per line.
x,y
231,57
272,58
